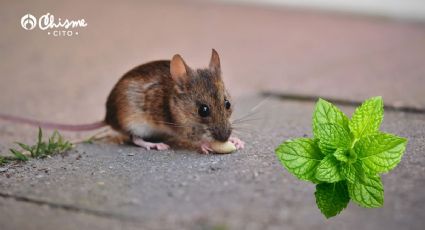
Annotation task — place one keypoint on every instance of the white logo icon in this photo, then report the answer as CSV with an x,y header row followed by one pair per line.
x,y
57,27
28,22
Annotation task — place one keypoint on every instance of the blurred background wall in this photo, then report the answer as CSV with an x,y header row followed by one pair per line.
x,y
404,9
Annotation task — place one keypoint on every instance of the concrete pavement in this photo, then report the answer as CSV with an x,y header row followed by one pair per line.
x,y
248,189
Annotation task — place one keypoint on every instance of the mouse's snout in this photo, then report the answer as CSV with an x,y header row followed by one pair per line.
x,y
221,133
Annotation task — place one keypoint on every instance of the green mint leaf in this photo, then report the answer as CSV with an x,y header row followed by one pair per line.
x,y
341,155
329,170
300,157
332,198
380,152
331,137
326,112
368,193
345,155
353,172
367,118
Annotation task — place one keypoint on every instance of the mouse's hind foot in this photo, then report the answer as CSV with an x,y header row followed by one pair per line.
x,y
149,145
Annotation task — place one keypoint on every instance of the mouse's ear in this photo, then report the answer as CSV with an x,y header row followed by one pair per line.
x,y
215,61
178,69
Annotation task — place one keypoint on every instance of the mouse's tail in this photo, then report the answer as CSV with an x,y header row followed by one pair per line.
x,y
50,125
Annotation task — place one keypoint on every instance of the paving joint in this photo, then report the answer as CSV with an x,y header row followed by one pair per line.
x,y
67,207
338,101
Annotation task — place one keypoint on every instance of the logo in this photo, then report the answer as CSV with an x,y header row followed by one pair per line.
x,y
57,27
28,22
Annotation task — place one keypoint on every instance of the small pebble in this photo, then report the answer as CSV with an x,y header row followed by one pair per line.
x,y
4,169
134,201
130,154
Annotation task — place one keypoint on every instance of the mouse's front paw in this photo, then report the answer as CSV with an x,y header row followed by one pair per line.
x,y
237,142
206,148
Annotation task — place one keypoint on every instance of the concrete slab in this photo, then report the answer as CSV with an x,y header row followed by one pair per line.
x,y
25,215
248,189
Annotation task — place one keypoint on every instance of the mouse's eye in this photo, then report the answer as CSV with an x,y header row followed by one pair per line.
x,y
227,104
204,111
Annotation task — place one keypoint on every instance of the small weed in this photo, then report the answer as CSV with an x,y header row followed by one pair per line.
x,y
54,145
4,160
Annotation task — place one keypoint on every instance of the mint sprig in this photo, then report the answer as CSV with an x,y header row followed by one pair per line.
x,y
346,156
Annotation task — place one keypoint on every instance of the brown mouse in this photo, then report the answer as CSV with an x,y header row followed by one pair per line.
x,y
169,99
166,99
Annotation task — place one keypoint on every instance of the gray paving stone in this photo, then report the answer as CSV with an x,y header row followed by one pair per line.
x,y
24,215
248,189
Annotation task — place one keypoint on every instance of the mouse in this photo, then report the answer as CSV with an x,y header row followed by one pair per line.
x,y
162,100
